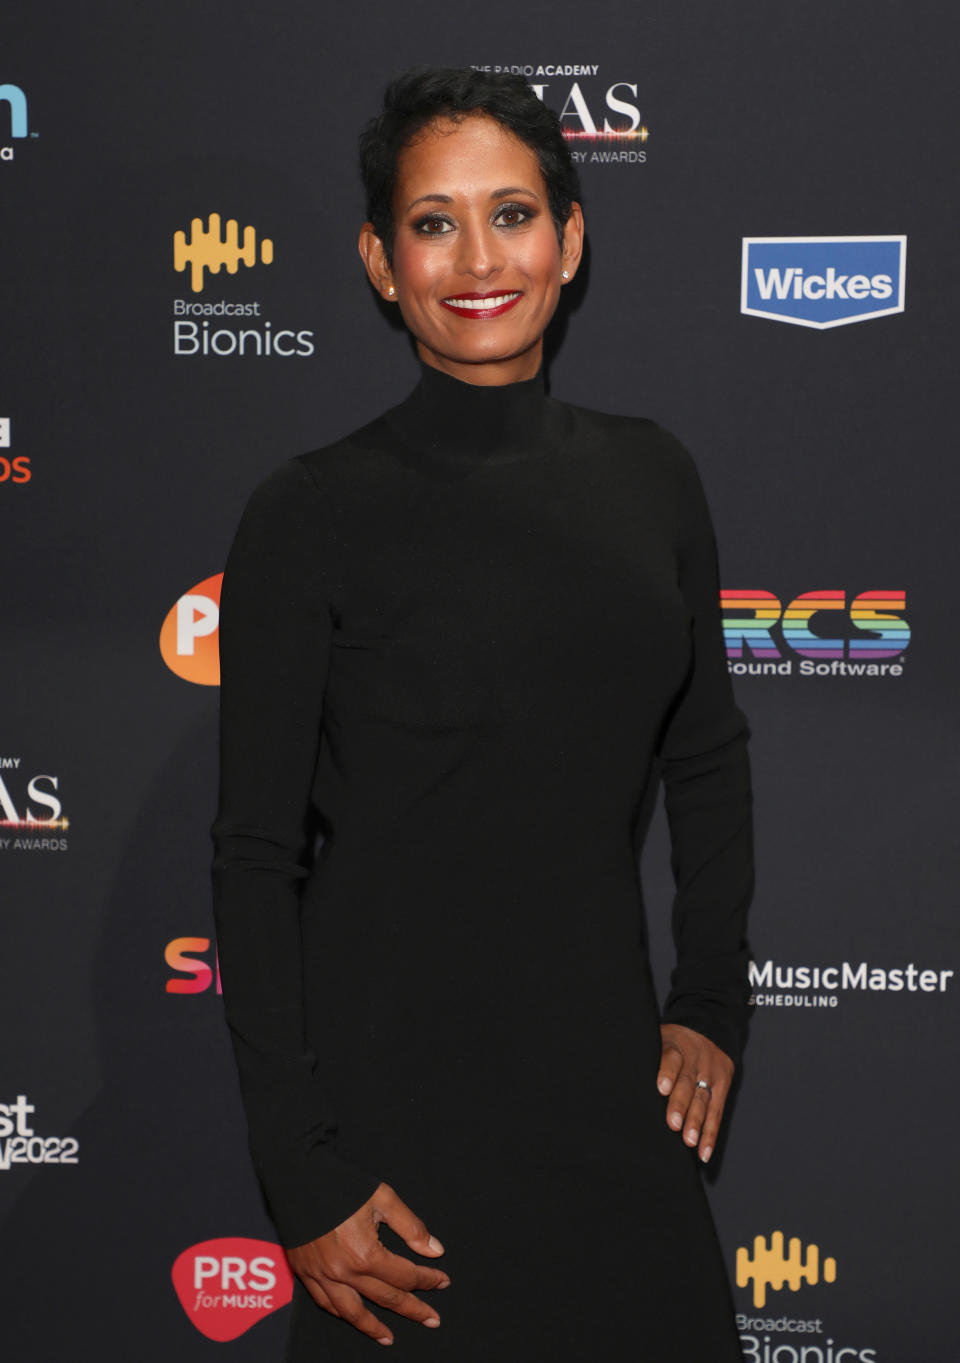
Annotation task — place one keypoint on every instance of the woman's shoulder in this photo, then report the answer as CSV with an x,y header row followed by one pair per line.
x,y
641,437
295,478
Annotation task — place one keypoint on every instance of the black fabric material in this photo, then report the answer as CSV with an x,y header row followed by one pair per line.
x,y
464,639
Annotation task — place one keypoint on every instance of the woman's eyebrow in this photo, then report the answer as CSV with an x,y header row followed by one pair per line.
x,y
494,194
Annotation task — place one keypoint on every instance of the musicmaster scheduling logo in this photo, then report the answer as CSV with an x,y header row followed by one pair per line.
x,y
773,1268
225,1286
822,282
189,640
600,118
196,328
16,102
31,808
820,986
818,634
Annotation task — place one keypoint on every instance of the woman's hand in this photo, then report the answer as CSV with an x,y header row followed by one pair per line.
x,y
688,1056
350,1259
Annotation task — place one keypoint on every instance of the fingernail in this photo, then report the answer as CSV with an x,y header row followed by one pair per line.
x,y
435,1244
707,1152
665,1086
384,1339
676,1121
432,1321
446,1284
691,1136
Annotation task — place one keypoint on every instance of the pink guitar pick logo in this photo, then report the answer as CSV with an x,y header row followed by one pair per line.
x,y
226,1286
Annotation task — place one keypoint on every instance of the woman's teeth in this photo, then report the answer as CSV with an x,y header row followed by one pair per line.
x,y
478,304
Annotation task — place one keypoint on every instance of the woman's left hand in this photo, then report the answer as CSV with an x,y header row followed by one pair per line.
x,y
688,1056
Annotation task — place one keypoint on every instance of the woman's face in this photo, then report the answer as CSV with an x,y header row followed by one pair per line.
x,y
476,260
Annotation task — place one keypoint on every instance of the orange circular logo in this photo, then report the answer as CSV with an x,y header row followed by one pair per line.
x,y
189,639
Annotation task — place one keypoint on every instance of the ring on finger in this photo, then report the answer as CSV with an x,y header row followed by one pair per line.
x,y
702,1084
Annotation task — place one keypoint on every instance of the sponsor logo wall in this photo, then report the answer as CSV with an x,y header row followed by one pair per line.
x,y
739,195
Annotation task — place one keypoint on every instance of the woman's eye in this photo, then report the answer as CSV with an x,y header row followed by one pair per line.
x,y
515,214
433,227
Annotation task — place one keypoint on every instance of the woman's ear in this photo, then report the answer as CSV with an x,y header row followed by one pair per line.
x,y
572,247
375,260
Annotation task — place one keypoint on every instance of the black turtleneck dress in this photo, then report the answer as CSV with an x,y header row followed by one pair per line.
x,y
462,645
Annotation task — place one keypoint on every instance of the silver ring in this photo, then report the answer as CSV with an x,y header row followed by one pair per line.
x,y
702,1084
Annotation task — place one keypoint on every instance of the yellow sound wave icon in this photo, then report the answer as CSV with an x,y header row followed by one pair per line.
x,y
207,250
772,1268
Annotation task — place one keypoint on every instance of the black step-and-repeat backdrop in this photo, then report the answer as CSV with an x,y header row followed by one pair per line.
x,y
772,275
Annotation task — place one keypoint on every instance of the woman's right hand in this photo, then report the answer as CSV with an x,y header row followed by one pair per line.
x,y
350,1260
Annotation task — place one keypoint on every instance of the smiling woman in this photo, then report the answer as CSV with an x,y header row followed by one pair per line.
x,y
474,240
468,640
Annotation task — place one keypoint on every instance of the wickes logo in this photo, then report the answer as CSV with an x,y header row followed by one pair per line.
x,y
822,281
772,1268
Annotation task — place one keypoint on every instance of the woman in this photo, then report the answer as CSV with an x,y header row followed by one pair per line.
x,y
468,639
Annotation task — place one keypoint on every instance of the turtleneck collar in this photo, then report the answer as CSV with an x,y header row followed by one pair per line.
x,y
447,416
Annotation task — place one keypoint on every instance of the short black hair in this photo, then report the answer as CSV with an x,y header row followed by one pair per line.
x,y
420,95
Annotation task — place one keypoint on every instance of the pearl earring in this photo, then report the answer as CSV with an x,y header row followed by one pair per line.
x,y
565,273
391,290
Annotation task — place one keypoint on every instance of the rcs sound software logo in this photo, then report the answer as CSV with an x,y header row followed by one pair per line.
x,y
189,641
16,102
761,636
225,1286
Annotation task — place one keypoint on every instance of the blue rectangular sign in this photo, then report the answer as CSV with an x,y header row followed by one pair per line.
x,y
822,281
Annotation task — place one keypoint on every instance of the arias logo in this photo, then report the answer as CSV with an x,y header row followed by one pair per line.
x,y
30,810
188,639
226,1286
757,628
594,111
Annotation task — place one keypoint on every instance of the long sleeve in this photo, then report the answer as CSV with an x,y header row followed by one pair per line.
x,y
275,634
708,800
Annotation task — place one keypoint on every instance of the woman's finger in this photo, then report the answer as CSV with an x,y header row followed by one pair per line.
x,y
681,1096
349,1305
711,1125
671,1063
696,1112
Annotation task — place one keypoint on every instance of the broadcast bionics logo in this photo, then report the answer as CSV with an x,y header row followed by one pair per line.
x,y
208,250
772,1268
822,282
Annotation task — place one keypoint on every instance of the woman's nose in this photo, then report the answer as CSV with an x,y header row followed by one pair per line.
x,y
479,251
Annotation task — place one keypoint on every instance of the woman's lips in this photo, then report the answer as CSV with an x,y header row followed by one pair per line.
x,y
478,306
